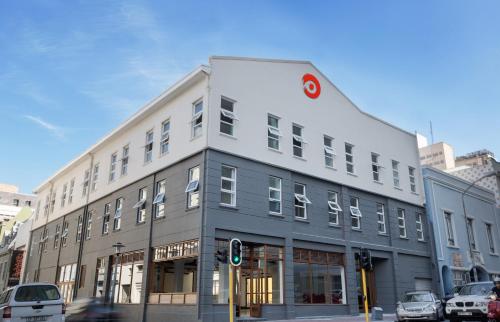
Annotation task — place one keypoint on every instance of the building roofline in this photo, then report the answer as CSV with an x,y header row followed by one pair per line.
x,y
143,111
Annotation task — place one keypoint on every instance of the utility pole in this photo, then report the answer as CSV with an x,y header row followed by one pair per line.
x,y
366,264
235,257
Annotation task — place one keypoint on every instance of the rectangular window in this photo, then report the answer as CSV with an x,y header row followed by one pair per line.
x,y
159,200
66,281
124,169
47,206
112,167
88,232
37,211
381,218
63,195
95,177
298,141
395,173
141,205
148,148
64,234
165,137
413,186
450,230
375,167
71,188
53,202
79,228
197,120
401,223
274,195
420,227
356,214
301,201
117,220
349,158
57,235
105,218
328,150
129,272
192,189
273,132
86,182
491,240
333,208
228,186
227,116
472,235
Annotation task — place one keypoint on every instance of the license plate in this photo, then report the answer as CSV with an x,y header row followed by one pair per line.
x,y
464,313
35,318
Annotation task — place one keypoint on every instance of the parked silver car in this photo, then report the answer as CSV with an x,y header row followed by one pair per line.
x,y
420,305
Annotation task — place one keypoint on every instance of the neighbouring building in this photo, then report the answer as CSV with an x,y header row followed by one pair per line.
x,y
476,158
438,155
268,151
467,247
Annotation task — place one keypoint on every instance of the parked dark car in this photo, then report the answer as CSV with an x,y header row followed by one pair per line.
x,y
92,310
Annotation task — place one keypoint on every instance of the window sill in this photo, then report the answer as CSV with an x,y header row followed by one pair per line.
x,y
229,136
300,158
356,229
192,208
275,214
116,230
383,234
451,246
230,207
333,225
351,174
140,223
378,182
404,238
274,150
303,220
494,254
422,241
159,218
330,168
398,188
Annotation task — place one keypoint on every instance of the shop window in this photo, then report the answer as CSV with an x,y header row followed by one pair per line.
x,y
129,272
66,281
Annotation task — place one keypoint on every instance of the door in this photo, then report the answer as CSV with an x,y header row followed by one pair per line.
x,y
370,289
255,292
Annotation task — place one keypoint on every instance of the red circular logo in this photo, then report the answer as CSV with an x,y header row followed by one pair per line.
x,y
312,88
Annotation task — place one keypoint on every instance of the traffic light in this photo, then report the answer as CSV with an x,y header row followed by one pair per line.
x,y
222,256
235,252
366,259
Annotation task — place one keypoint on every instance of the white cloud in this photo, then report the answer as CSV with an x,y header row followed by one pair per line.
x,y
56,131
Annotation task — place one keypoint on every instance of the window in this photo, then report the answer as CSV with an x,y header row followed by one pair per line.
x,y
66,281
301,201
355,213
148,148
117,220
491,240
165,137
381,218
450,229
227,116
349,158
376,167
273,132
27,203
79,229
228,186
53,202
298,141
197,120
88,232
100,277
71,188
141,205
328,150
420,227
411,172
47,205
15,202
472,235
112,167
57,236
43,240
105,218
86,182
159,201
63,195
95,177
401,223
124,169
395,173
192,188
129,271
64,234
333,208
274,195
37,211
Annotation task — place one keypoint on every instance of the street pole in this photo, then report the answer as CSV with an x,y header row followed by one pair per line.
x,y
231,294
365,294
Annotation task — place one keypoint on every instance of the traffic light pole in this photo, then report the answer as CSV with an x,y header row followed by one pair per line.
x,y
231,293
365,294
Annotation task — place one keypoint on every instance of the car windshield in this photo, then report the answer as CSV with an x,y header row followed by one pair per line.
x,y
32,293
418,298
475,289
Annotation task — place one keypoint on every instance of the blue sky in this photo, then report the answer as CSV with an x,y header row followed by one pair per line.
x,y
70,71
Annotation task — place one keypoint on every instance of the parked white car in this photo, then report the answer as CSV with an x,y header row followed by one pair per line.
x,y
471,304
32,302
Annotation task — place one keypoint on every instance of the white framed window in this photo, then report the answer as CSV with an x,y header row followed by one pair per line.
x,y
228,186
148,148
349,158
141,205
165,137
395,173
420,227
333,208
298,140
63,195
227,116
381,218
95,177
413,185
88,232
491,240
301,201
124,167
105,218
71,189
197,119
401,223
472,235
117,220
376,167
86,182
274,195
159,200
356,214
328,151
112,166
192,189
53,201
79,229
57,235
450,228
46,207
273,132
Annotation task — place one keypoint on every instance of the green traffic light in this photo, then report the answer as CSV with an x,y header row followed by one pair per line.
x,y
236,259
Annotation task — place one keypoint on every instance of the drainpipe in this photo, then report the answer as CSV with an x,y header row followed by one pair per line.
x,y
44,227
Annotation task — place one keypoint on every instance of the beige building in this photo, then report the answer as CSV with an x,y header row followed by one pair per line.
x,y
473,159
438,155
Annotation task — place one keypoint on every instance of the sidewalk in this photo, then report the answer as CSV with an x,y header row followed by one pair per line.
x,y
339,318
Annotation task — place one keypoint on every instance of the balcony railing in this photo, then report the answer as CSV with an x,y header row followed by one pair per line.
x,y
172,298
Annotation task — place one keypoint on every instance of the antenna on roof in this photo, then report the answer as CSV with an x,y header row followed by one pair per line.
x,y
432,133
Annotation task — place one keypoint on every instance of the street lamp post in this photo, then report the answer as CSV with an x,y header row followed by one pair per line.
x,y
118,247
473,261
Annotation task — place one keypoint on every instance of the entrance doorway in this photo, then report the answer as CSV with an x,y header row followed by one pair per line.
x,y
370,287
